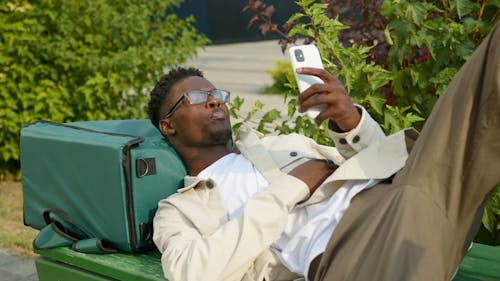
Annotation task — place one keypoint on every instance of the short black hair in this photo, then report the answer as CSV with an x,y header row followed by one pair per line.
x,y
162,89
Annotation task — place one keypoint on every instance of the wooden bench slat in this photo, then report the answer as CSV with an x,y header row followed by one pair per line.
x,y
464,277
482,263
50,270
480,267
121,266
485,252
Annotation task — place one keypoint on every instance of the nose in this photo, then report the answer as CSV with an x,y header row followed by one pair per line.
x,y
212,102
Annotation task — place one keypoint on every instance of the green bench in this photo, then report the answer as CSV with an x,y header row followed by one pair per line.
x,y
481,263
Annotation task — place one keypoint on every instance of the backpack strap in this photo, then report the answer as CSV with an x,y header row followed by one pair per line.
x,y
52,236
62,231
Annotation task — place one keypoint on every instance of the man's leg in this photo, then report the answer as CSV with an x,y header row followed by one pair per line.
x,y
418,227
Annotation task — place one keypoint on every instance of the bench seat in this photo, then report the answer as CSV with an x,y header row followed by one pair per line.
x,y
481,263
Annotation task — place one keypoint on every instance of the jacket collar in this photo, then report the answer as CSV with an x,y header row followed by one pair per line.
x,y
192,182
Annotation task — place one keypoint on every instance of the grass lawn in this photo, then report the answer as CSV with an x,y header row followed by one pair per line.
x,y
14,235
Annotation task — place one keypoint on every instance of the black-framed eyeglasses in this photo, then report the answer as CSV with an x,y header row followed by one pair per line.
x,y
200,96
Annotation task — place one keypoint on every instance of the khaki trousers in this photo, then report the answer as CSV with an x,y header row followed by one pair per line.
x,y
420,226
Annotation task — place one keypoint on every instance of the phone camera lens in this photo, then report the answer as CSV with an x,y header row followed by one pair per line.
x,y
299,56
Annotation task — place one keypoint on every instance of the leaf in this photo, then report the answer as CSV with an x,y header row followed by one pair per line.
x,y
376,102
391,123
398,82
296,17
236,127
410,119
253,20
257,106
292,107
465,49
271,116
416,12
463,7
235,106
388,35
305,3
401,30
491,217
269,11
415,76
495,3
378,78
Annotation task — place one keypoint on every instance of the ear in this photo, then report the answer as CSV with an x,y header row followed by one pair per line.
x,y
167,127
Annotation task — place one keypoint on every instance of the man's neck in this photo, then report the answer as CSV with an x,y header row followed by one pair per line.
x,y
197,160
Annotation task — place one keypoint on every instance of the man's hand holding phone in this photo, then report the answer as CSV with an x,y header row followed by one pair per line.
x,y
337,105
322,96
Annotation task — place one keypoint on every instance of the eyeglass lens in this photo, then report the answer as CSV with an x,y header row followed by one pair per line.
x,y
198,96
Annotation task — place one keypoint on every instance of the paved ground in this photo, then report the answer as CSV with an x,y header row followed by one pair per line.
x,y
239,68
13,268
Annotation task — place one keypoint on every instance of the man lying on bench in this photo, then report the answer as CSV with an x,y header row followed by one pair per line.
x,y
375,207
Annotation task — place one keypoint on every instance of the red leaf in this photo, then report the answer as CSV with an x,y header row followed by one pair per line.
x,y
251,5
252,21
425,57
283,43
269,11
259,6
264,28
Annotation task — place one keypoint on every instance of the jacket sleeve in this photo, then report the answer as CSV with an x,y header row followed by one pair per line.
x,y
228,251
366,133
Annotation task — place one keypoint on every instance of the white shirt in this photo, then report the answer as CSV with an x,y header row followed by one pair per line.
x,y
308,229
236,187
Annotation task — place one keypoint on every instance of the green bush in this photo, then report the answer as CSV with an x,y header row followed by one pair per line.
x,y
396,63
489,233
424,43
83,60
282,76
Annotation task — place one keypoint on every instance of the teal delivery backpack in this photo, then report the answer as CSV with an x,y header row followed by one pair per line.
x,y
95,185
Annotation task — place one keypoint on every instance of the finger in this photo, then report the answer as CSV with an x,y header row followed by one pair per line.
x,y
312,90
320,118
335,103
318,72
321,93
335,110
333,86
340,111
314,100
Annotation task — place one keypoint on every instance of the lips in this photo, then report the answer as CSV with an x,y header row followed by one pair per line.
x,y
218,114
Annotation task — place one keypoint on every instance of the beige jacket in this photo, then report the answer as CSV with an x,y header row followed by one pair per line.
x,y
197,241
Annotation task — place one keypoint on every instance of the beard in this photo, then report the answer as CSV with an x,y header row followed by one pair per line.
x,y
221,135
219,130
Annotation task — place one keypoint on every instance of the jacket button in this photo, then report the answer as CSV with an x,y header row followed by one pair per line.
x,y
356,139
293,153
343,141
209,184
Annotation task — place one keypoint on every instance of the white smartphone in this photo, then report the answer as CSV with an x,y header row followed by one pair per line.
x,y
306,56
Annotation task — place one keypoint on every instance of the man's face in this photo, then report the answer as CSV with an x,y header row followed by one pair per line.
x,y
196,125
